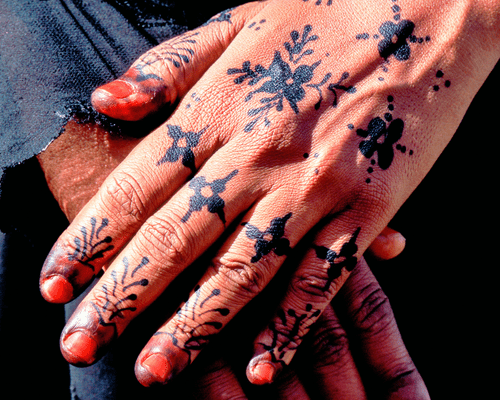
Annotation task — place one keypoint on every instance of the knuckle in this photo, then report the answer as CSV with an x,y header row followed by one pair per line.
x,y
312,285
166,241
374,314
329,343
124,194
246,280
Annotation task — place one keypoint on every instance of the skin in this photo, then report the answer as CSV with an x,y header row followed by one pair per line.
x,y
93,149
290,143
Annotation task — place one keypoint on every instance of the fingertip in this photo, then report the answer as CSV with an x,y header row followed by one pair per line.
x,y
153,369
261,371
56,289
79,349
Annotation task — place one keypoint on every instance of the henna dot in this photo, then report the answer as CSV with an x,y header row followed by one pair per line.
x,y
398,147
427,38
439,74
388,117
390,99
309,307
436,88
411,152
316,155
381,79
370,170
447,83
373,162
397,17
350,126
403,149
368,180
306,155
316,171
391,107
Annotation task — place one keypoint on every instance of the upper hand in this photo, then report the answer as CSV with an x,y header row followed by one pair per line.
x,y
288,134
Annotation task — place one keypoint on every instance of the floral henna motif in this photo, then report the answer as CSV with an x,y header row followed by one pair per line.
x,y
271,239
214,203
282,80
90,247
344,259
182,146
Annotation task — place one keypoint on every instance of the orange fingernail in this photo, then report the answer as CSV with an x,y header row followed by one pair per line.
x,y
262,373
79,348
57,289
158,366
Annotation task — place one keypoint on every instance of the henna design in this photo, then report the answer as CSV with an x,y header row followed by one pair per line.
x,y
214,202
113,307
396,38
344,259
447,83
89,247
290,332
319,2
382,139
256,25
174,51
224,16
179,150
192,310
281,81
337,86
271,239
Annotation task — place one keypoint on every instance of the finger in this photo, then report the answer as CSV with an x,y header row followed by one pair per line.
x,y
387,245
289,386
369,319
318,278
163,247
137,187
242,268
166,72
331,371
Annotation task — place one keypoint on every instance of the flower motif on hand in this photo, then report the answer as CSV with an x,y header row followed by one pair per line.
x,y
281,79
271,239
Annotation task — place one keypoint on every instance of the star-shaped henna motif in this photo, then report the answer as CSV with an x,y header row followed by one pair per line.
x,y
214,203
182,146
270,239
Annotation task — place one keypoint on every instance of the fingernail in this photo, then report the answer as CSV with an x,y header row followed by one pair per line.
x,y
79,348
117,89
262,373
159,367
57,289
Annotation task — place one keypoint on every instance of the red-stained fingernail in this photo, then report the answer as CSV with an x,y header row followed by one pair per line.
x,y
158,367
57,289
261,373
117,89
79,349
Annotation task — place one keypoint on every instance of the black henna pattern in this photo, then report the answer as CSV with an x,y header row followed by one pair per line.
x,y
90,247
271,239
118,294
290,332
182,146
320,2
176,51
203,329
214,203
344,259
394,38
224,16
381,138
282,80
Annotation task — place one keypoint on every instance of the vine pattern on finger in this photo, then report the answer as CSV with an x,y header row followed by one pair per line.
x,y
284,80
198,322
90,246
120,294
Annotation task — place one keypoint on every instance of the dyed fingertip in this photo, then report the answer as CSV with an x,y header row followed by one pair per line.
x,y
56,289
261,371
154,369
79,349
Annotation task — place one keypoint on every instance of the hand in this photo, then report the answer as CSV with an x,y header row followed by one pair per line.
x,y
320,126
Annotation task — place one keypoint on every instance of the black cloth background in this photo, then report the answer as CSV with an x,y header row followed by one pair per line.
x,y
442,287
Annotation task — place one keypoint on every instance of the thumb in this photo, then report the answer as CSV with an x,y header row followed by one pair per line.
x,y
167,71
